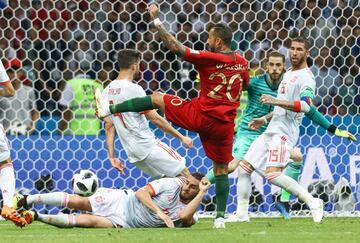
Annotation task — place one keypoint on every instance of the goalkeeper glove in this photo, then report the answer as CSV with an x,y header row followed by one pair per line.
x,y
344,134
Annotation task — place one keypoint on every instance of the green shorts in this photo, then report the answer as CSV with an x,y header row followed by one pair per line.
x,y
242,144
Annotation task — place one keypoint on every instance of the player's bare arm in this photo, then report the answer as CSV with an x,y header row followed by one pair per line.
x,y
302,105
164,125
7,90
169,40
144,196
110,137
187,216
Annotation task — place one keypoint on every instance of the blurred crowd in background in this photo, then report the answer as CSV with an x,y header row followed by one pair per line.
x,y
46,43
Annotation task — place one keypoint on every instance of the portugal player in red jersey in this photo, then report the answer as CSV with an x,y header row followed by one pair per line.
x,y
223,76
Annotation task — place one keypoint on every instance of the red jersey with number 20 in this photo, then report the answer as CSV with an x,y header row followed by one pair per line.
x,y
222,79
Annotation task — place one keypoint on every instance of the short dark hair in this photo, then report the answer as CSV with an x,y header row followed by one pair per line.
x,y
275,54
128,57
198,176
302,39
222,31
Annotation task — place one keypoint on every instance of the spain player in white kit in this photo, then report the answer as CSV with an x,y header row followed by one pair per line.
x,y
166,202
149,154
270,152
7,177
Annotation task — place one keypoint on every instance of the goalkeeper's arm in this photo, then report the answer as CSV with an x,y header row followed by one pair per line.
x,y
319,119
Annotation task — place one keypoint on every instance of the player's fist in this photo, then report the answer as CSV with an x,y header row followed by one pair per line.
x,y
256,123
153,11
188,142
204,185
345,134
117,164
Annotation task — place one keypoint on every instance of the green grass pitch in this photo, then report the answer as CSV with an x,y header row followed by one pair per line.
x,y
268,230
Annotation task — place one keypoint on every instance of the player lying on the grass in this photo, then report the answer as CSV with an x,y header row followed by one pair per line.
x,y
7,176
147,153
166,202
223,75
255,115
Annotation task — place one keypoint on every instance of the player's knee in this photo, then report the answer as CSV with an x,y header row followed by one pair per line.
x,y
246,167
272,173
220,169
157,98
77,202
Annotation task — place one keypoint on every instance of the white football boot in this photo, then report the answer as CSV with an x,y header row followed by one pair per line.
x,y
317,209
238,218
219,223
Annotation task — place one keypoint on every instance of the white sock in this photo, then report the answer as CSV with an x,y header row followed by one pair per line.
x,y
243,191
52,198
7,183
60,220
290,185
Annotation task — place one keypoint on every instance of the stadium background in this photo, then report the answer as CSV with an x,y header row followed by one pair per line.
x,y
57,40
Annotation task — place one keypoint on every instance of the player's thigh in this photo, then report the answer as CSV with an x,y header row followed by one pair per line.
x,y
111,204
257,154
241,145
92,221
80,203
4,148
182,113
148,169
165,160
157,100
279,151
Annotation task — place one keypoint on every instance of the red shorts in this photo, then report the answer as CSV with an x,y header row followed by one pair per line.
x,y
216,135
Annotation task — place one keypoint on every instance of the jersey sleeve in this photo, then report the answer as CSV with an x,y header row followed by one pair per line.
x,y
165,184
4,78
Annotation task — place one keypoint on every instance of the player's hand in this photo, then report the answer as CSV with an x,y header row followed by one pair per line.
x,y
204,185
169,223
188,142
256,123
117,164
267,99
345,134
153,11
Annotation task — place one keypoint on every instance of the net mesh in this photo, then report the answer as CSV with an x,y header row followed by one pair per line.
x,y
54,41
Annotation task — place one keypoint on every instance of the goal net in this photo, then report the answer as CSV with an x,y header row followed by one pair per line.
x,y
49,42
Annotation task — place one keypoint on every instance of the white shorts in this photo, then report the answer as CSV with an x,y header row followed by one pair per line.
x,y
162,161
269,151
110,204
4,145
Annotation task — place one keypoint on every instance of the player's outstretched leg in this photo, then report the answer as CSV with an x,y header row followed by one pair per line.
x,y
283,181
7,185
292,170
222,188
103,109
243,194
60,199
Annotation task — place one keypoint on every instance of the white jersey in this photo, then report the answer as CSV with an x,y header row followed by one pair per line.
x,y
132,127
284,121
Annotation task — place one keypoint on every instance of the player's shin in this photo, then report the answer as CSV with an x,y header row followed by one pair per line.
x,y
133,105
7,183
222,192
243,190
292,170
59,220
53,198
289,184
